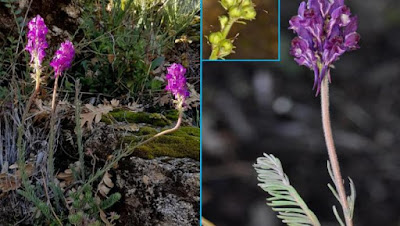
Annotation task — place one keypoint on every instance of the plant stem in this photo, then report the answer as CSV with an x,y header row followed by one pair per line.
x,y
214,52
53,102
215,48
326,123
53,119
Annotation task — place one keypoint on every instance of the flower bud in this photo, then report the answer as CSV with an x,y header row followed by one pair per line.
x,y
223,20
228,3
215,38
235,12
226,46
249,13
246,3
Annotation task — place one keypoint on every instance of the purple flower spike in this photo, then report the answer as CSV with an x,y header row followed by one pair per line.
x,y
177,81
37,44
63,57
325,30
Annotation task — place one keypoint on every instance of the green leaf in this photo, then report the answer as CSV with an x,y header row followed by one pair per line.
x,y
157,62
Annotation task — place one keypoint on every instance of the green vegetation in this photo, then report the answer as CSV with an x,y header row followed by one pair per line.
x,y
183,143
123,45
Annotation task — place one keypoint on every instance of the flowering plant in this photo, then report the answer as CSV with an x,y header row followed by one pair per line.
x,y
37,45
63,58
326,30
177,83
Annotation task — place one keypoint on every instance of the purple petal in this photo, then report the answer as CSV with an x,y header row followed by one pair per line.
x,y
37,43
63,58
351,41
177,81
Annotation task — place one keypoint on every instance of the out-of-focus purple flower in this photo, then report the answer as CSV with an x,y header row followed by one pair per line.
x,y
177,81
37,44
325,30
63,57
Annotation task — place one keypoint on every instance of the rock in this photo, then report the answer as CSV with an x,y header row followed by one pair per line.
x,y
162,191
102,140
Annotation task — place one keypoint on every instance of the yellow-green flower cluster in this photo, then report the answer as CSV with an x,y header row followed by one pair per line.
x,y
237,11
242,9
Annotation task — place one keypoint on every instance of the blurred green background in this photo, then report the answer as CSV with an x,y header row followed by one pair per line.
x,y
258,39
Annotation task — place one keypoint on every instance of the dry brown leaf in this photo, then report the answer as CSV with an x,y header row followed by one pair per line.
x,y
135,107
114,103
105,185
10,183
103,217
163,100
29,168
194,98
13,166
94,114
111,58
67,177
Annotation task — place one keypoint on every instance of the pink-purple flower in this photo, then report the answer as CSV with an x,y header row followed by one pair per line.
x,y
177,81
326,29
63,58
37,44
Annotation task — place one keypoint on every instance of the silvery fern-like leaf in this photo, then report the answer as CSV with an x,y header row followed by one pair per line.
x,y
284,200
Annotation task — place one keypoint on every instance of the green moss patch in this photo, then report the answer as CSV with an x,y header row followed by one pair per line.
x,y
172,115
154,119
182,143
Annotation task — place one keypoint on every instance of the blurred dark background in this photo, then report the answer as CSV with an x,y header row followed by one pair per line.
x,y
250,108
258,39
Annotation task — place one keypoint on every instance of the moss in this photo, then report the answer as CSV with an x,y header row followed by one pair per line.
x,y
172,115
154,119
146,130
182,143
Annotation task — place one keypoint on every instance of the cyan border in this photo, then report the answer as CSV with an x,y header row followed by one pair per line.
x,y
240,60
201,111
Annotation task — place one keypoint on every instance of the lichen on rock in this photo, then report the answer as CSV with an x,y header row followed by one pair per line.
x,y
161,191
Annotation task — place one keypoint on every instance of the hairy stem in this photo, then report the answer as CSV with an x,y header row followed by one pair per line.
x,y
326,123
53,102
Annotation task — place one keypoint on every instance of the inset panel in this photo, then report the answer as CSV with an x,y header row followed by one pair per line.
x,y
241,30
